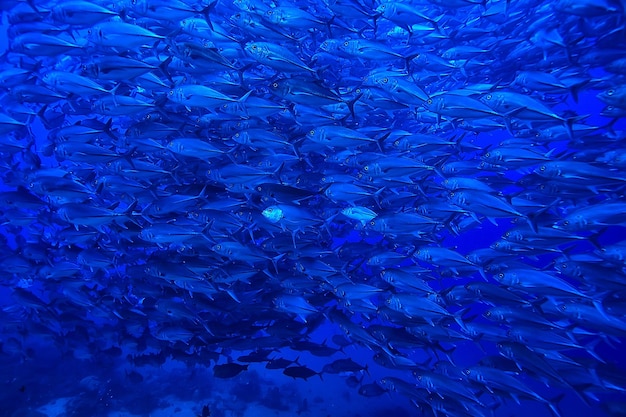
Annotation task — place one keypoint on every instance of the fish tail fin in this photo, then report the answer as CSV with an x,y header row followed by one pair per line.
x,y
206,12
375,18
553,404
42,115
206,232
458,318
575,89
128,156
163,66
31,3
275,260
381,141
409,58
278,172
351,104
569,123
597,303
437,168
449,226
593,239
243,69
243,98
328,26
108,124
590,349
130,210
507,119
532,222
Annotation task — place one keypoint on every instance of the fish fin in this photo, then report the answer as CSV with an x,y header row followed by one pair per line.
x,y
206,12
163,66
553,404
243,98
492,221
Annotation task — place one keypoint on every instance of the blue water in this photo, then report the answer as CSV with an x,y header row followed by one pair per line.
x,y
430,189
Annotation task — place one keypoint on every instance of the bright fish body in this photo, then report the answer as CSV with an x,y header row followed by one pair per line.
x,y
275,56
122,35
81,13
198,96
67,82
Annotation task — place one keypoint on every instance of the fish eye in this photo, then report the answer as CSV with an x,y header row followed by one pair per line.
x,y
238,16
385,80
366,168
487,155
466,371
218,247
419,377
542,168
566,222
372,223
500,275
429,101
563,307
488,313
269,12
488,96
254,46
564,266
345,43
610,92
171,93
382,7
275,85
311,132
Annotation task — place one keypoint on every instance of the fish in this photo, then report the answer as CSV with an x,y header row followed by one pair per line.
x,y
428,191
344,365
301,372
228,370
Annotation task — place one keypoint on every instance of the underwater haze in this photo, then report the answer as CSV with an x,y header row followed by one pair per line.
x,y
273,208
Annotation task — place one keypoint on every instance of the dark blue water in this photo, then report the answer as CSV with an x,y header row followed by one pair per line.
x,y
312,208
